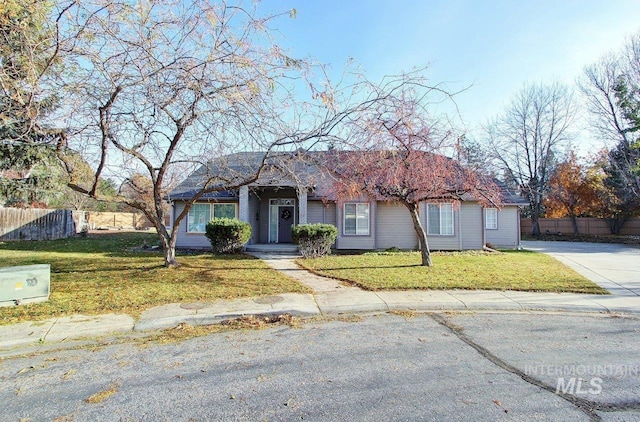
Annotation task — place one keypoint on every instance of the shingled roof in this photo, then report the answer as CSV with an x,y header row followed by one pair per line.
x,y
281,169
301,169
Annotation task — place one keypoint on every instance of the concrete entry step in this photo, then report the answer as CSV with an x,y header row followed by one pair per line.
x,y
283,248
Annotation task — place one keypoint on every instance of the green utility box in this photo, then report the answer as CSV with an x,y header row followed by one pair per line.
x,y
24,284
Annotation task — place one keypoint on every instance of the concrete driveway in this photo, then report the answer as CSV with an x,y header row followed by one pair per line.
x,y
613,267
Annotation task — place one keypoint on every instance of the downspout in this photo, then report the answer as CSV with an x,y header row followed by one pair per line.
x,y
483,213
459,225
519,245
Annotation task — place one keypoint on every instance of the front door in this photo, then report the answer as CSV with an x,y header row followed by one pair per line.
x,y
285,221
282,215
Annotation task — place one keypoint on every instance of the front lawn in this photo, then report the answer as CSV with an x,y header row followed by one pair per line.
x,y
511,270
106,273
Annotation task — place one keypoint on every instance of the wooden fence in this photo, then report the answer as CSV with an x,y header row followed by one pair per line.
x,y
118,220
39,224
588,226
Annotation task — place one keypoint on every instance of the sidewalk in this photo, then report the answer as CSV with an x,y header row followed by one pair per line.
x,y
330,297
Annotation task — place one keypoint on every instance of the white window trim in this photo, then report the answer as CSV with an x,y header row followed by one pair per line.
x,y
344,219
211,206
489,211
453,220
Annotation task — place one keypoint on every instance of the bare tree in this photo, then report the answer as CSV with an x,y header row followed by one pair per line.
x,y
611,89
525,140
162,87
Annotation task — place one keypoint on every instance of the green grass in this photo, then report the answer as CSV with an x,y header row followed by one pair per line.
x,y
103,273
511,270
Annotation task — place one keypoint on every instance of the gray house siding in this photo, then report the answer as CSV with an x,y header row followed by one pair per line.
x,y
394,227
389,225
254,206
315,212
471,225
508,234
357,241
442,242
319,212
189,240
330,214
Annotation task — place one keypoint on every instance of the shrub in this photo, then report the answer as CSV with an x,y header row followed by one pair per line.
x,y
228,235
314,240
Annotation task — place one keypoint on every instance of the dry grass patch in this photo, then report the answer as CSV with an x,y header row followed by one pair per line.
x,y
186,331
106,273
511,270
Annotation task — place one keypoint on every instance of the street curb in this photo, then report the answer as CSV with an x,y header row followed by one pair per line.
x,y
171,322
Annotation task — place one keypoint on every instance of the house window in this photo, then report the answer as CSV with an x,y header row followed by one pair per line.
x,y
356,219
199,215
491,218
440,219
224,210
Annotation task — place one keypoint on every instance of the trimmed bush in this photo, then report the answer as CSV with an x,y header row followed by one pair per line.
x,y
228,235
314,240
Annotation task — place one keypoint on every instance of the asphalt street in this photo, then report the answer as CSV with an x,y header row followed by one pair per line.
x,y
444,366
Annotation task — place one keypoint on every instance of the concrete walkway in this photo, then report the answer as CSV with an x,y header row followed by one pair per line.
x,y
329,297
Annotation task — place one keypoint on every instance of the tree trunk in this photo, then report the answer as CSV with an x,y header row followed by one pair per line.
x,y
168,243
422,236
535,224
616,222
574,221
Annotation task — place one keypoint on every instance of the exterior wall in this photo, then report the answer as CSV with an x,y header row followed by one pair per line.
x,y
357,241
319,212
471,225
188,240
507,235
394,227
443,242
254,205
330,214
390,225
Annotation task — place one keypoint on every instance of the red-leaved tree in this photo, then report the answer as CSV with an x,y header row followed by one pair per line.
x,y
398,156
574,191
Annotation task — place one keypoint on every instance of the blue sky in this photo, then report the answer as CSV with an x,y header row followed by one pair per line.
x,y
496,46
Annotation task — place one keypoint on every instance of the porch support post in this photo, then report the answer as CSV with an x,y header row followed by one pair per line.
x,y
243,204
302,206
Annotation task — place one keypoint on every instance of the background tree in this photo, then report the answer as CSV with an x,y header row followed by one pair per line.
x,y
611,88
573,191
398,157
524,141
28,58
162,87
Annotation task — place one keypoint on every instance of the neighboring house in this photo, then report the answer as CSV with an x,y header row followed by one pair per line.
x,y
280,199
